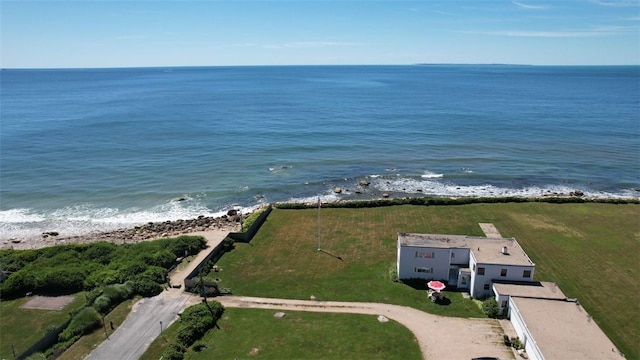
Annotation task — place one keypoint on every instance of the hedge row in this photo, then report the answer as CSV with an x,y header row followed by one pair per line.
x,y
70,268
195,321
432,201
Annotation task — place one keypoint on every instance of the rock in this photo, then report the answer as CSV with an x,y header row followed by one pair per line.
x,y
232,212
279,315
385,195
312,297
337,190
364,183
383,319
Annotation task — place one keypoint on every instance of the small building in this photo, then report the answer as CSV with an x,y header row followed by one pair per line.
x,y
465,262
552,326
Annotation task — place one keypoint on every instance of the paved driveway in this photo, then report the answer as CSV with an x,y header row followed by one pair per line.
x,y
132,338
142,326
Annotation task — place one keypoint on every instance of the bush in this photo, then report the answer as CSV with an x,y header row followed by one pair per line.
x,y
85,321
102,304
393,273
175,351
491,308
147,288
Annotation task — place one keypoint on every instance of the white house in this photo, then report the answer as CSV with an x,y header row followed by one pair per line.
x,y
552,326
466,262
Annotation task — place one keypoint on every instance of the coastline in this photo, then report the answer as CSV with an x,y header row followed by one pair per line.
x,y
233,219
150,231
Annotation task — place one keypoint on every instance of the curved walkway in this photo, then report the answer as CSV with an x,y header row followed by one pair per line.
x,y
439,337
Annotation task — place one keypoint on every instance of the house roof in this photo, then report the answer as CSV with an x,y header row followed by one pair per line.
x,y
485,250
564,330
539,290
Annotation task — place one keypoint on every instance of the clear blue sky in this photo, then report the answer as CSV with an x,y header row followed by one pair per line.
x,y
47,34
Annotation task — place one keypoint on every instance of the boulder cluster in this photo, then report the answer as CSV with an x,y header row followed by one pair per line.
x,y
173,228
152,230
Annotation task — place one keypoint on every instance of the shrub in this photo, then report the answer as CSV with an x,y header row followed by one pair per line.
x,y
102,304
490,307
393,273
83,322
175,351
147,288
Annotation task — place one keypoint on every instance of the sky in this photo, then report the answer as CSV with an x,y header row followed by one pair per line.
x,y
84,34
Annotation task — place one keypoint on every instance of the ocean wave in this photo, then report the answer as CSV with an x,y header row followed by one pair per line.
x,y
431,175
86,218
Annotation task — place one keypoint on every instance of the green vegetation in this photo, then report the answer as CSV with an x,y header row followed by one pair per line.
x,y
195,321
81,348
21,328
71,268
245,333
566,241
112,273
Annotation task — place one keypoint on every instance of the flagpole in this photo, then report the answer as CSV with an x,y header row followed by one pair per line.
x,y
319,207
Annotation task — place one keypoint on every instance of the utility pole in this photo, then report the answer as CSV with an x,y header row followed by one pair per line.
x,y
319,207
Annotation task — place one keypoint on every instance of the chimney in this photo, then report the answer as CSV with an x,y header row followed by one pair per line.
x,y
505,251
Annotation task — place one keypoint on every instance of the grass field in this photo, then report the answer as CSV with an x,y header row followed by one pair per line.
x,y
21,328
591,250
298,335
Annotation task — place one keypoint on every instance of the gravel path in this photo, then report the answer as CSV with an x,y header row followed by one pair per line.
x,y
439,337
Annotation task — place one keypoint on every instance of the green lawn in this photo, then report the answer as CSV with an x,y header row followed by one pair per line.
x,y
23,327
579,246
299,335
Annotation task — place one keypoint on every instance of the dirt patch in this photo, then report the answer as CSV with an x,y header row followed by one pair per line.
x,y
48,302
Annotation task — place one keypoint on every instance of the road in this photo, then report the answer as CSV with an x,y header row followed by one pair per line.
x,y
132,338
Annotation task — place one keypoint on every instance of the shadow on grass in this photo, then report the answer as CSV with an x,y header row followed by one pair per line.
x,y
330,254
421,285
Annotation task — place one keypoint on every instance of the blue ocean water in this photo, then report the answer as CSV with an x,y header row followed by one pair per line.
x,y
85,150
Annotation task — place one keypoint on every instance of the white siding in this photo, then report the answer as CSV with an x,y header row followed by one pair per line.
x,y
523,332
494,272
411,259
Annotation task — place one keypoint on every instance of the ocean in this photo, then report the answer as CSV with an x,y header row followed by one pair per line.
x,y
85,150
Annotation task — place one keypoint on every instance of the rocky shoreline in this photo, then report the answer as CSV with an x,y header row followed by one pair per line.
x,y
150,231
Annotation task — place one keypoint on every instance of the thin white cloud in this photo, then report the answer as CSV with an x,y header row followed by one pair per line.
x,y
530,7
306,44
621,3
594,32
240,45
130,37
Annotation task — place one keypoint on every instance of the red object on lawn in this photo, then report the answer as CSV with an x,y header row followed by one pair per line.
x,y
436,285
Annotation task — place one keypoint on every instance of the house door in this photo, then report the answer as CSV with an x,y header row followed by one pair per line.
x,y
453,277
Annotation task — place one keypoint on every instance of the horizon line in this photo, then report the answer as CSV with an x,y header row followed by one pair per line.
x,y
309,65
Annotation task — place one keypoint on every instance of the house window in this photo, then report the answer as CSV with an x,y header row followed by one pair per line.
x,y
474,267
480,271
425,254
453,255
504,304
423,270
503,272
464,280
526,274
486,286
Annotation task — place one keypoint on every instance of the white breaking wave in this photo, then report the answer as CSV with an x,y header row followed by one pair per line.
x,y
431,175
84,219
